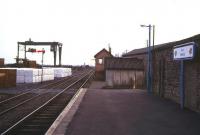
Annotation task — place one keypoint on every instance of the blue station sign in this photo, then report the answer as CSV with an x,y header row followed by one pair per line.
x,y
184,51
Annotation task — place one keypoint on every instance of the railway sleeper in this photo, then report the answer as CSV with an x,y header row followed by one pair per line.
x,y
36,121
43,116
29,132
48,114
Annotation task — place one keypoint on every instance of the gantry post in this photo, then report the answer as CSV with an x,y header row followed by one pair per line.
x,y
54,53
60,54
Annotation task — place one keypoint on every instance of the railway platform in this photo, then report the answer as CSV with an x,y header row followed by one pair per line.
x,y
125,112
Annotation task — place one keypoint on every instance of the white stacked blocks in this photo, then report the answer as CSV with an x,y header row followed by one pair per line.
x,y
20,77
48,74
30,75
62,72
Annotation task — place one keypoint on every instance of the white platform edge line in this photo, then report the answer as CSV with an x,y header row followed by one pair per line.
x,y
65,112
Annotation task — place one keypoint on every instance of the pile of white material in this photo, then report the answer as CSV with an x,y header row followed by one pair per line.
x,y
27,75
62,72
20,77
30,75
48,74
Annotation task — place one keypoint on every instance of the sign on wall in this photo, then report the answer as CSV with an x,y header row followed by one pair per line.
x,y
184,51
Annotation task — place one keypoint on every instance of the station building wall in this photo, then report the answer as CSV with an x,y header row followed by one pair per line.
x,y
166,73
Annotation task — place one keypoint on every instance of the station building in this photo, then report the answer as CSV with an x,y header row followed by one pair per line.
x,y
99,63
119,72
166,72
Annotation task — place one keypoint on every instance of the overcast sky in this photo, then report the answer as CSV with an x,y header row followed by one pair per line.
x,y
86,26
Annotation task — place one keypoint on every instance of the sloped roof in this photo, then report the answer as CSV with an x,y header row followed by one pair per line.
x,y
124,63
163,46
103,50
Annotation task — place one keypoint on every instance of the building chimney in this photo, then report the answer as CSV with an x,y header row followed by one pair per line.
x,y
109,48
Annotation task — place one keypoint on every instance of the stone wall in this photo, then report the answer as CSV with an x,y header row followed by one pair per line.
x,y
166,73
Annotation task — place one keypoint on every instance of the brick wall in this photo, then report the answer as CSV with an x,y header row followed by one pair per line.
x,y
166,75
99,66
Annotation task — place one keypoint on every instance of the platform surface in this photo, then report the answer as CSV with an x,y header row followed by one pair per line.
x,y
130,112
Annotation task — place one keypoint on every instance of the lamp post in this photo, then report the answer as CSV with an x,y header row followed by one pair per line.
x,y
149,58
153,36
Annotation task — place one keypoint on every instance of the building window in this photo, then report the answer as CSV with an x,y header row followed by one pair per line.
x,y
100,61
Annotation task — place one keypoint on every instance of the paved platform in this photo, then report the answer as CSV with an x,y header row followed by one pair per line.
x,y
97,85
130,112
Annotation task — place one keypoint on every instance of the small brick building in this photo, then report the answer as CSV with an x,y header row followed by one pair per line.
x,y
99,63
166,72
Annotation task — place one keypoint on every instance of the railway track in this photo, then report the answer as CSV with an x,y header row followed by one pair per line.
x,y
14,102
19,103
46,86
38,121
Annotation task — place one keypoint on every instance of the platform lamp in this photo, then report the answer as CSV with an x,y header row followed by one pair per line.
x,y
149,58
